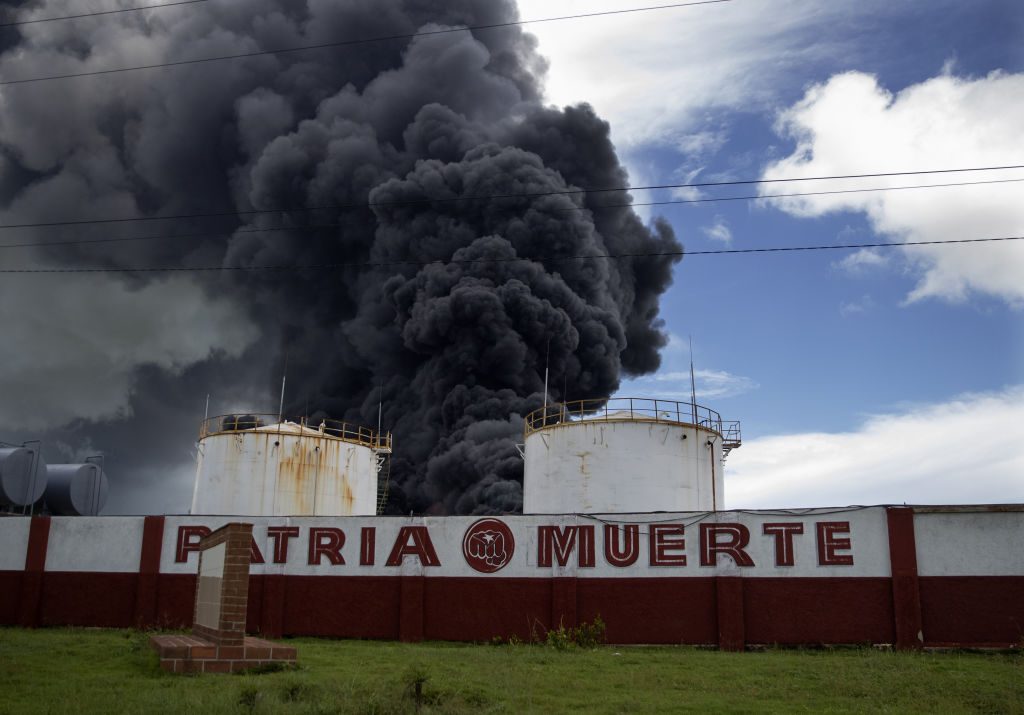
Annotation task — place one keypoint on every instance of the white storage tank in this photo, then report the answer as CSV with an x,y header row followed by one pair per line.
x,y
22,475
625,455
255,465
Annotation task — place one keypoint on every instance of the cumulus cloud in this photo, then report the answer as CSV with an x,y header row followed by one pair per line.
x,y
965,451
718,231
672,382
856,307
851,124
861,262
673,92
64,358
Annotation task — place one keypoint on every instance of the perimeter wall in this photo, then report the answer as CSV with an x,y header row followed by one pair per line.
x,y
908,576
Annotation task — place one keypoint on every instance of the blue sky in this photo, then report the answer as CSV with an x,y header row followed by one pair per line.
x,y
834,348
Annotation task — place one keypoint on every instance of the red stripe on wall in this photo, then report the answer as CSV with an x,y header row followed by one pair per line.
x,y
273,591
652,610
147,581
814,611
10,597
906,597
729,601
410,617
563,602
354,606
962,611
973,609
479,609
32,578
72,598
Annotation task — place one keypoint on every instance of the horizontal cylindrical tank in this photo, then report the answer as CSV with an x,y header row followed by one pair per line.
x,y
625,455
251,465
22,476
76,489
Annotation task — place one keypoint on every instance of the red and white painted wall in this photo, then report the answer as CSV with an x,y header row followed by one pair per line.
x,y
909,576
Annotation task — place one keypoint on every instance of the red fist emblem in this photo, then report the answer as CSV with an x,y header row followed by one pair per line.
x,y
488,545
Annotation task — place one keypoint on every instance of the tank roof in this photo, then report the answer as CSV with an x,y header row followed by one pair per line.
x,y
634,409
300,426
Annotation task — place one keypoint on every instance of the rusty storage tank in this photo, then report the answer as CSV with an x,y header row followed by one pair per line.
x,y
22,475
258,465
76,489
625,455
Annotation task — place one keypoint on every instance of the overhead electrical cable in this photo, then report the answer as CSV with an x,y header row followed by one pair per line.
x,y
358,41
321,226
493,197
517,259
100,12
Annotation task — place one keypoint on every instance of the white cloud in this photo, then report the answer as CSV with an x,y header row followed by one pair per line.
x,y
669,89
675,385
965,451
856,307
672,382
718,231
71,348
862,261
851,125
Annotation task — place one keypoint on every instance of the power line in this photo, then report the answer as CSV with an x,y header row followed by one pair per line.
x,y
319,226
492,197
361,41
102,12
539,259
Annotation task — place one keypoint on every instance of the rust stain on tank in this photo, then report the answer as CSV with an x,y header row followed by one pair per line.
x,y
295,482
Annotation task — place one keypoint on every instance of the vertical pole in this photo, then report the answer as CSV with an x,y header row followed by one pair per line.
x,y
284,378
547,359
380,408
280,406
693,386
714,489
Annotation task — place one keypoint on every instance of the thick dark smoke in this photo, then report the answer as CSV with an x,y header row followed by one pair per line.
x,y
451,328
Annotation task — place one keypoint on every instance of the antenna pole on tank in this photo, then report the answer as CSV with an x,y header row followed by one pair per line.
x,y
380,407
284,377
547,359
693,385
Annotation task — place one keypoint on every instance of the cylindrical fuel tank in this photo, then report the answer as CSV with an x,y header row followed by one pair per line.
x,y
625,455
22,476
76,489
251,465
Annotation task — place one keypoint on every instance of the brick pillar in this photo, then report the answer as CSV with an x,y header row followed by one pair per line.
x,y
32,577
236,539
906,594
147,584
731,625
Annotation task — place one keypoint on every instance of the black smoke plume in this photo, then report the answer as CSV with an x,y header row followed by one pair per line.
x,y
470,298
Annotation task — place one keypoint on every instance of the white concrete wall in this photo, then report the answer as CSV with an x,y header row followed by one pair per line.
x,y
969,543
868,540
596,466
111,544
13,542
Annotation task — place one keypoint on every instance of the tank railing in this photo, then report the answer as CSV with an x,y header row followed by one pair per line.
x,y
346,431
638,409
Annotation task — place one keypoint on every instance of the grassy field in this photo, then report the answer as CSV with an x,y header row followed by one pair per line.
x,y
108,671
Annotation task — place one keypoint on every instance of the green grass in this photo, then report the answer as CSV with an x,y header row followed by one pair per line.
x,y
109,671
